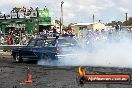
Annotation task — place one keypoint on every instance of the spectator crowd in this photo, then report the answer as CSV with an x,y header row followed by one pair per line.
x,y
20,37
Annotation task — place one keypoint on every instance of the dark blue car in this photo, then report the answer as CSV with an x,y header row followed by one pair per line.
x,y
49,48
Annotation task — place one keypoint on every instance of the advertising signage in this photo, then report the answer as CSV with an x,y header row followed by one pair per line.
x,y
14,15
43,13
33,13
2,16
21,15
17,13
8,16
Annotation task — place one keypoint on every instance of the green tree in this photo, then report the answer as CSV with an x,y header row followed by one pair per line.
x,y
114,23
128,23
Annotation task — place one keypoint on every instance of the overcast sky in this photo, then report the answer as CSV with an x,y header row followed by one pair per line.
x,y
76,10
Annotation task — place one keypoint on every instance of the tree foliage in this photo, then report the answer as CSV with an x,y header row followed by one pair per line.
x,y
114,23
124,23
128,23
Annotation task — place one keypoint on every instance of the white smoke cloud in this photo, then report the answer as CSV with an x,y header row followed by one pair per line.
x,y
113,52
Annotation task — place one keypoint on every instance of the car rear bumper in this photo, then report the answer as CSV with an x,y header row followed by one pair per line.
x,y
65,56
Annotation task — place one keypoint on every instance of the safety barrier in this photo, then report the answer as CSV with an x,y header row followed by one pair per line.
x,y
9,47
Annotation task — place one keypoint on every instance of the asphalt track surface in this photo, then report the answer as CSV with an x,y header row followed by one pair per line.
x,y
13,74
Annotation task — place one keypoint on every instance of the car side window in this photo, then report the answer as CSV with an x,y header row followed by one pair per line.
x,y
39,43
32,43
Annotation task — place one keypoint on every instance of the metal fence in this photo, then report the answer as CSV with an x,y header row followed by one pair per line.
x,y
9,47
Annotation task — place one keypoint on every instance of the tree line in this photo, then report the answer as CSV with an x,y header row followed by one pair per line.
x,y
124,23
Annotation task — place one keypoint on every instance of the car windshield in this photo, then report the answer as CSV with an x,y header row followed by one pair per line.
x,y
32,42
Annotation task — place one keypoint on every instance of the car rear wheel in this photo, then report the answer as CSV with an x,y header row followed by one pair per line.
x,y
18,58
45,57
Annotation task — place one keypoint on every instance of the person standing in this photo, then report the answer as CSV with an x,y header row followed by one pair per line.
x,y
54,32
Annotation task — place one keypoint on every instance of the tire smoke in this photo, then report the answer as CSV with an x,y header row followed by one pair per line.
x,y
109,49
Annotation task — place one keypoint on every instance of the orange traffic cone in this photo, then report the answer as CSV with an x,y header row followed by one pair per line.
x,y
29,77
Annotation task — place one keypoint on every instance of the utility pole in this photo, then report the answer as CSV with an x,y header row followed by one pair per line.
x,y
93,18
61,15
60,25
126,18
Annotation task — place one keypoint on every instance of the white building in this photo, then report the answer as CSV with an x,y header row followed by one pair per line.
x,y
79,27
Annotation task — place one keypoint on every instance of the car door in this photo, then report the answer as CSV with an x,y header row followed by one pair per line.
x,y
27,51
38,47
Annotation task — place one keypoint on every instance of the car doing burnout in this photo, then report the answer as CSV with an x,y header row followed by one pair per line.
x,y
47,48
